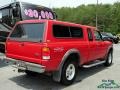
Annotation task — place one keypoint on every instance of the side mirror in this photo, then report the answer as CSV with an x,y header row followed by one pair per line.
x,y
0,16
15,12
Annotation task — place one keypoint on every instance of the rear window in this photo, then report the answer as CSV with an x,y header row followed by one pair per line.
x,y
67,31
28,32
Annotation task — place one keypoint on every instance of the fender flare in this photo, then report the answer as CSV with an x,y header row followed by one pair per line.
x,y
110,47
57,74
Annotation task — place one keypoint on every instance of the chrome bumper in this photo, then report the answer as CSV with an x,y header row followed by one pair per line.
x,y
23,65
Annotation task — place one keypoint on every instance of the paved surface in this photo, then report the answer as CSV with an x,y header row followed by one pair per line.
x,y
87,79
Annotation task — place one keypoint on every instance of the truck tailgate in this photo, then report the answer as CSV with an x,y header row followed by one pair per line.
x,y
27,51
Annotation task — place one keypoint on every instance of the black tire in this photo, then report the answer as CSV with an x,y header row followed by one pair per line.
x,y
109,59
30,73
66,80
116,42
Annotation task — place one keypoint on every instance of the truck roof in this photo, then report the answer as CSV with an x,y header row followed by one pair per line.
x,y
55,21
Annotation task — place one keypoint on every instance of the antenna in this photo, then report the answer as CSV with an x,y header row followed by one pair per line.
x,y
97,15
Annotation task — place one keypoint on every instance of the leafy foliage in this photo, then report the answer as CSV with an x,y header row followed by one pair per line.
x,y
108,16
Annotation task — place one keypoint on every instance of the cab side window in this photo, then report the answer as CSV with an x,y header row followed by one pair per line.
x,y
97,36
61,31
76,32
90,36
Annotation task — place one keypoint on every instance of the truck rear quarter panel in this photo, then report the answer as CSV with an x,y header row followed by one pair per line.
x,y
59,47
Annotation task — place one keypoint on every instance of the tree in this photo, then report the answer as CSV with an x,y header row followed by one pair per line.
x,y
108,16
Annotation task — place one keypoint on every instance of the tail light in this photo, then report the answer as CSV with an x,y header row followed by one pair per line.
x,y
45,53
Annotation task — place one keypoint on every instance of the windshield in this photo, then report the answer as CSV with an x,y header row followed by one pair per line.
x,y
29,32
3,28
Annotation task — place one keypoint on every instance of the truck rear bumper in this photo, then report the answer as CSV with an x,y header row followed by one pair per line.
x,y
23,65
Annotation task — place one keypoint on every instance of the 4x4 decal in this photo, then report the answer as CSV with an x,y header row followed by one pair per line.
x,y
58,49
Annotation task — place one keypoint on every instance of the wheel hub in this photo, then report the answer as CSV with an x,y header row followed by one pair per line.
x,y
109,58
70,72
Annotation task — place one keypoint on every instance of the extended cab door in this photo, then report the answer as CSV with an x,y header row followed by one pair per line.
x,y
25,42
100,45
92,45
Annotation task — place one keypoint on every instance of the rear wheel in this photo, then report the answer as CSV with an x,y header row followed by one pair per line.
x,y
69,72
109,59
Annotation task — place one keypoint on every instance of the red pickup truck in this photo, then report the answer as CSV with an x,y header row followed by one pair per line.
x,y
56,47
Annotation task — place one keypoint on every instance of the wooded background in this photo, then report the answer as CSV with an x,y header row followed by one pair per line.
x,y
108,16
